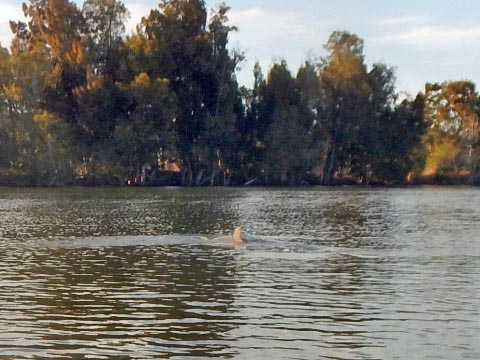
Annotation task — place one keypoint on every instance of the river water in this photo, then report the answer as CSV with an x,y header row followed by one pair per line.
x,y
344,273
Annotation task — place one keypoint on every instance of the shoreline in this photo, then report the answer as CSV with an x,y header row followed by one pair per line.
x,y
266,186
174,179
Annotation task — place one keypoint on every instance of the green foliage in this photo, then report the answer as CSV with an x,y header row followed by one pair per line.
x,y
346,105
82,103
142,132
288,137
105,20
443,158
453,141
397,139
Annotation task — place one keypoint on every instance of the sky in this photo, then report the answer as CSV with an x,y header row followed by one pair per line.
x,y
425,40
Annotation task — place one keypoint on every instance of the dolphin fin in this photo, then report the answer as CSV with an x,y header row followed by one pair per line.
x,y
237,235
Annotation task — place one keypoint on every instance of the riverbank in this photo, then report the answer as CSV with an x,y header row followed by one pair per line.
x,y
169,178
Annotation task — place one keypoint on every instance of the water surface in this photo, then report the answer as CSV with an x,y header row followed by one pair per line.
x,y
326,273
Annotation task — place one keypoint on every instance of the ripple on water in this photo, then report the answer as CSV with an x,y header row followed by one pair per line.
x,y
326,273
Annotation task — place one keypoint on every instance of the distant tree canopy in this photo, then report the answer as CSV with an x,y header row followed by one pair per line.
x,y
81,102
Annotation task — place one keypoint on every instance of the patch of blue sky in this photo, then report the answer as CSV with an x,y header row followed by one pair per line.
x,y
427,40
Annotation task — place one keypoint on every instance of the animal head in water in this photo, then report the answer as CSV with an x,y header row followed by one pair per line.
x,y
237,235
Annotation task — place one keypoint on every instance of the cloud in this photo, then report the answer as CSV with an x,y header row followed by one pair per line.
x,y
259,25
12,10
405,20
137,11
265,35
9,12
433,37
424,31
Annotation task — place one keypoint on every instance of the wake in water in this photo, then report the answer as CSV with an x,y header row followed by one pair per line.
x,y
249,242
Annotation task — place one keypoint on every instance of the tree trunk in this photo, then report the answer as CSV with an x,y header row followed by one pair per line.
x,y
284,177
473,168
143,176
187,175
332,156
199,177
329,165
213,174
226,178
137,174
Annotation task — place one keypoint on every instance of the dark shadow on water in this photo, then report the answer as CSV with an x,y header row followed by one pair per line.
x,y
123,301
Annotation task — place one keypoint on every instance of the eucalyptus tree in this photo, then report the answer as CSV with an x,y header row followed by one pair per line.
x,y
178,38
54,38
313,104
346,97
288,136
398,145
105,20
142,133
57,29
251,134
453,141
370,154
8,146
57,24
175,42
76,57
41,138
220,139
100,101
369,137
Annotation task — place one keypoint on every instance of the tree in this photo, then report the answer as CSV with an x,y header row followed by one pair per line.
x,y
56,31
180,40
39,138
398,139
313,102
251,133
57,24
77,99
220,139
143,132
288,138
194,57
370,153
8,146
452,110
346,89
105,20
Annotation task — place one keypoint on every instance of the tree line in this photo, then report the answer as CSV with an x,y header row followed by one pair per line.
x,y
80,102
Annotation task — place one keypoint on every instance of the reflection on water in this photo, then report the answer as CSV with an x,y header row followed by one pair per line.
x,y
342,273
111,302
